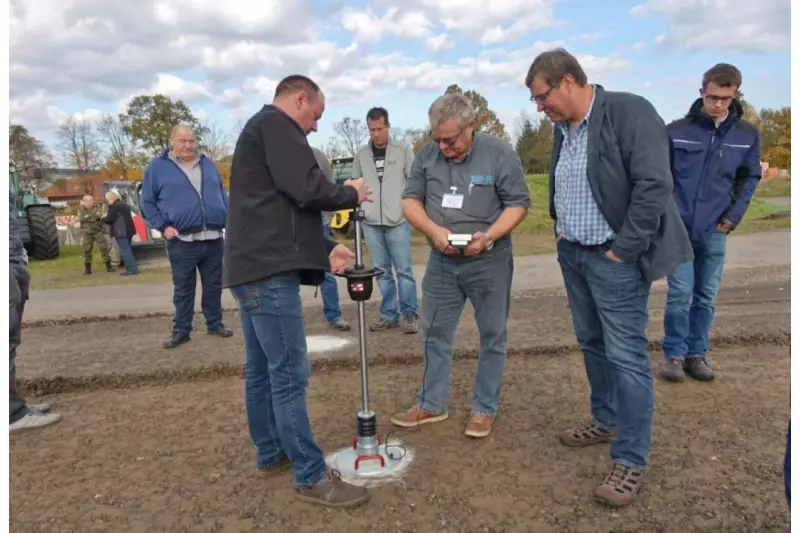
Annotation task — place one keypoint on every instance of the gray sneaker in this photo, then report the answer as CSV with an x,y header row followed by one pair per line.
x,y
697,368
383,324
339,324
410,323
673,370
33,420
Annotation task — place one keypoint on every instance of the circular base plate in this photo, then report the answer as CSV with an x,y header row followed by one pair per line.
x,y
370,471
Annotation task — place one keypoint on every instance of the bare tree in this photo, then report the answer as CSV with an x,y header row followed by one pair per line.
x,y
78,143
352,133
120,145
334,148
216,143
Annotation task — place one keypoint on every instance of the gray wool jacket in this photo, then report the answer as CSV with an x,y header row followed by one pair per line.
x,y
631,180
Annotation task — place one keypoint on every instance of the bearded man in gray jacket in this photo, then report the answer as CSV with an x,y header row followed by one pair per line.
x,y
385,163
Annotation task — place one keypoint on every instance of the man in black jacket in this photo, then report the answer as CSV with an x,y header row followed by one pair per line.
x,y
275,244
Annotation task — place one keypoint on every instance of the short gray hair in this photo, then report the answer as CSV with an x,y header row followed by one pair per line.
x,y
553,65
450,106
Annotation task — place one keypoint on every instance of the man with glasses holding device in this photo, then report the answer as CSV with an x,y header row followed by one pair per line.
x,y
466,192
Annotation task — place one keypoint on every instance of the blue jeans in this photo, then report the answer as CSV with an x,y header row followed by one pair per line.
x,y
608,301
125,249
787,466
691,297
391,246
276,376
186,259
330,292
484,280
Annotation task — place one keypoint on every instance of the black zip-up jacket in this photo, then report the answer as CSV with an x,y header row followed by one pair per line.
x,y
276,198
120,220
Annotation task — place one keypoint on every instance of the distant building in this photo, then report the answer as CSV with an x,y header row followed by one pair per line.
x,y
71,190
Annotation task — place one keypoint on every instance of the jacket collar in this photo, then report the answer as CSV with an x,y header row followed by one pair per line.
x,y
735,112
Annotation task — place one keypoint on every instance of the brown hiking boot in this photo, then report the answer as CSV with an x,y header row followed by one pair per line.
x,y
278,467
621,486
416,416
331,491
479,425
586,435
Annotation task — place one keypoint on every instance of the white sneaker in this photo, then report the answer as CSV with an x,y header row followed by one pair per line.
x,y
38,407
34,420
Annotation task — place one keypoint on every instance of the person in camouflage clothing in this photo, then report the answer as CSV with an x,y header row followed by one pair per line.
x,y
90,219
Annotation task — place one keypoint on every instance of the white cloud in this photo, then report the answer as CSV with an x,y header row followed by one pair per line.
x,y
440,43
222,53
731,25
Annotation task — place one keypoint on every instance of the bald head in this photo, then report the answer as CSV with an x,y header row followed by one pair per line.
x,y
183,143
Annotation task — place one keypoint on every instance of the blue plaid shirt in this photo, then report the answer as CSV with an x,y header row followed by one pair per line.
x,y
578,218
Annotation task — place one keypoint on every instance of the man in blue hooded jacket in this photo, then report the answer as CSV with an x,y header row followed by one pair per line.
x,y
183,198
716,166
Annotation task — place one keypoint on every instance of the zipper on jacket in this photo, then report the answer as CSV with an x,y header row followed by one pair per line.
x,y
199,196
294,230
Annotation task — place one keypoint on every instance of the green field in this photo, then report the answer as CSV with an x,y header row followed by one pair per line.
x,y
533,236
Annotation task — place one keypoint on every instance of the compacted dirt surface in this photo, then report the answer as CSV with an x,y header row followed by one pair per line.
x,y
156,440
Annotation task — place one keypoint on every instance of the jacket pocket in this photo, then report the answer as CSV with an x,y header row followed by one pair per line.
x,y
688,157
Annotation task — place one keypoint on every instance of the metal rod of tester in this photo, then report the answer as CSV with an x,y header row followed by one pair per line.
x,y
362,327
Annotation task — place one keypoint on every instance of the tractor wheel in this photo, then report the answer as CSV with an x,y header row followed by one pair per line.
x,y
44,234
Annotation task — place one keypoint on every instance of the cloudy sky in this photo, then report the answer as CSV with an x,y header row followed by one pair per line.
x,y
224,57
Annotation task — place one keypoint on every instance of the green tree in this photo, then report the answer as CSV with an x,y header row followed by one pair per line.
x,y
150,119
26,151
526,141
749,114
486,120
777,150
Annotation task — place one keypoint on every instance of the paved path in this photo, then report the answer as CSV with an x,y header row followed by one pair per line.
x,y
530,272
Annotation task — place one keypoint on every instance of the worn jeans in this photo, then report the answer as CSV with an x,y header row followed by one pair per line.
x,y
186,259
276,375
19,282
608,301
391,246
330,292
691,298
484,280
126,251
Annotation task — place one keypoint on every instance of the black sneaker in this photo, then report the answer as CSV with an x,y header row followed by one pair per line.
x,y
176,339
697,368
673,370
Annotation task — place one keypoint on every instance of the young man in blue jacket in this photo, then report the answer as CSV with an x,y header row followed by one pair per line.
x,y
716,166
183,198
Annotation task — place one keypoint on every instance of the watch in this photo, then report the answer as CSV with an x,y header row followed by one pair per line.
x,y
489,241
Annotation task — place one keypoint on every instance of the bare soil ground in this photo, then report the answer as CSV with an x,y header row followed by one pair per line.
x,y
156,440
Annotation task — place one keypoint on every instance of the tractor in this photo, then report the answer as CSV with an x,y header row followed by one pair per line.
x,y
148,244
35,216
341,225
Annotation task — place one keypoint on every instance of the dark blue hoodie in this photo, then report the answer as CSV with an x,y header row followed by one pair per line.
x,y
168,198
715,168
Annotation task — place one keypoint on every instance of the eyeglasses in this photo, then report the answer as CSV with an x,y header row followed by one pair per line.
x,y
714,99
449,141
542,98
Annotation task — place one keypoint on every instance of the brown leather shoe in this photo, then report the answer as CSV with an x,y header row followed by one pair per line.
x,y
621,486
479,425
331,491
416,416
586,435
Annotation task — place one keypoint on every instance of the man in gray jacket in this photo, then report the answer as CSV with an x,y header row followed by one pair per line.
x,y
329,288
617,230
385,164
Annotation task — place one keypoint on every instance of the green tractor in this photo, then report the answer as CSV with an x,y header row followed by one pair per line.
x,y
36,218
